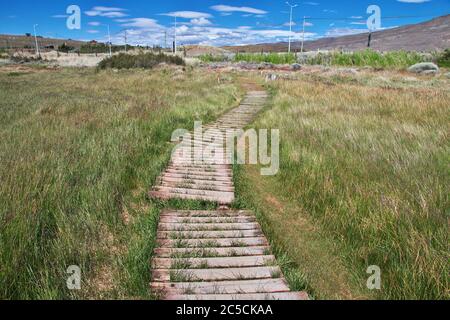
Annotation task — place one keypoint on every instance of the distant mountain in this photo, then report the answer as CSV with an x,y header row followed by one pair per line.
x,y
426,36
28,42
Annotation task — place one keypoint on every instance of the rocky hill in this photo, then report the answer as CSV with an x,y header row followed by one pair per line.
x,y
427,36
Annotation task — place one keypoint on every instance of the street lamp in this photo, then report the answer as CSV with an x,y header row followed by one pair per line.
x,y
36,41
109,37
290,23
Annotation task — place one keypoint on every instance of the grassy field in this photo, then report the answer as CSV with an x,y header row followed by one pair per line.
x,y
363,181
370,58
79,149
397,60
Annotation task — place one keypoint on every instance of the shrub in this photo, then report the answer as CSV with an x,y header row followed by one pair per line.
x,y
275,58
212,58
65,48
371,58
444,59
102,48
143,60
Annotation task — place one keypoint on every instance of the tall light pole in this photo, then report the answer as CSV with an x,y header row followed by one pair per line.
x,y
175,37
303,36
109,37
35,40
125,35
290,23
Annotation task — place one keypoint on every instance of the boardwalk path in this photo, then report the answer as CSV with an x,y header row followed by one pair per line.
x,y
213,255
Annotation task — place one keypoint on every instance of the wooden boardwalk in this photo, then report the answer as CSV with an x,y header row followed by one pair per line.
x,y
220,254
211,180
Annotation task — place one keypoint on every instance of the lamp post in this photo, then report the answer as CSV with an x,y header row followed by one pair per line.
x,y
109,37
290,24
303,35
36,41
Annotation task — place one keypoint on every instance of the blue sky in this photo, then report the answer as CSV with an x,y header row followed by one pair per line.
x,y
209,22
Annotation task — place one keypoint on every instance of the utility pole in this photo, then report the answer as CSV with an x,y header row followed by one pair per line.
x,y
290,24
303,36
125,35
109,38
370,39
175,37
36,41
165,39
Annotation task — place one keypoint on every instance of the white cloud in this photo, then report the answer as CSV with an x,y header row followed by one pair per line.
x,y
108,12
187,14
201,22
225,8
287,24
311,3
107,9
339,32
60,16
140,23
413,1
93,31
94,23
207,35
361,23
356,17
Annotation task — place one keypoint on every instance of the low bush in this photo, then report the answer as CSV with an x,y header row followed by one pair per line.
x,y
143,60
370,58
212,58
275,58
444,59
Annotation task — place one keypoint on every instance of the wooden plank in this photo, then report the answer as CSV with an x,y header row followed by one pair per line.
x,y
223,287
215,274
287,296
221,262
164,195
205,243
220,251
197,177
208,234
207,214
207,226
206,220
186,184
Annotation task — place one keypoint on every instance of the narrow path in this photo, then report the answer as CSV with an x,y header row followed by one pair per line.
x,y
184,179
213,255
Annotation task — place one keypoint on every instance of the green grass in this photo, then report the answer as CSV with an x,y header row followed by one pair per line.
x,y
275,58
370,58
363,181
79,151
212,58
141,60
444,59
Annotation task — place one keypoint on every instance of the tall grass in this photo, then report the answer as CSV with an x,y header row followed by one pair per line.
x,y
212,58
366,167
79,149
444,59
275,58
141,60
393,59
